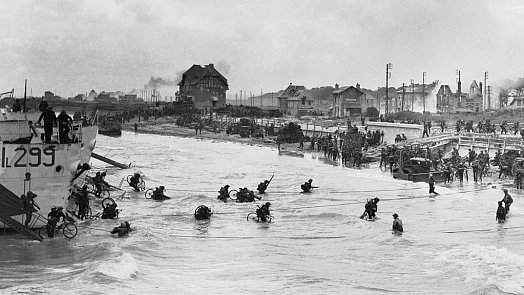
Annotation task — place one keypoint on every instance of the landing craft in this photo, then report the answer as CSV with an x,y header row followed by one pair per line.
x,y
417,169
50,170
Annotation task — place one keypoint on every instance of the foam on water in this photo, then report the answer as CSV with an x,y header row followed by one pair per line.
x,y
316,244
488,266
121,267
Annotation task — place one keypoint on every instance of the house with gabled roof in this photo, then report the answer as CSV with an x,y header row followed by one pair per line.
x,y
347,101
295,101
203,85
515,97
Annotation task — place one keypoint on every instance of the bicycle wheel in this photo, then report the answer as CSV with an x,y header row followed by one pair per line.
x,y
105,194
70,230
149,193
141,185
233,194
252,213
107,201
129,179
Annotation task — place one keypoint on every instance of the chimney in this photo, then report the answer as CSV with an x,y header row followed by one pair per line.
x,y
358,86
211,66
336,86
480,86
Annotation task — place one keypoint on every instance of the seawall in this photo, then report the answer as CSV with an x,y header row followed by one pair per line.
x,y
411,131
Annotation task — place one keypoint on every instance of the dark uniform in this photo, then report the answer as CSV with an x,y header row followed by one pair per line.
x,y
262,187
263,212
431,182
122,230
501,213
52,219
64,121
306,187
49,121
224,193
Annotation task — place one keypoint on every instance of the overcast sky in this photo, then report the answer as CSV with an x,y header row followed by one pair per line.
x,y
75,46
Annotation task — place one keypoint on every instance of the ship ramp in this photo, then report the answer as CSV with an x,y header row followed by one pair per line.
x,y
6,219
109,161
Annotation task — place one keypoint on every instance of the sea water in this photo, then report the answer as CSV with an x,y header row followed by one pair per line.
x,y
316,243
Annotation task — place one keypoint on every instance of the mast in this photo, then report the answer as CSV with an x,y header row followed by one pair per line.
x,y
24,109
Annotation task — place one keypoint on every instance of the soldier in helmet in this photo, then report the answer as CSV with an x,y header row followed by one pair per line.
x,y
224,193
263,212
122,230
306,187
29,206
134,181
53,218
158,194
262,186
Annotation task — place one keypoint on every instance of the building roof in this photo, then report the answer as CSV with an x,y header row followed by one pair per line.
x,y
370,94
415,89
474,84
198,72
295,92
345,88
444,90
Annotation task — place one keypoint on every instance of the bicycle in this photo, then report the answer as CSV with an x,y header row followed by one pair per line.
x,y
102,193
255,217
105,203
92,188
141,184
69,230
233,194
150,192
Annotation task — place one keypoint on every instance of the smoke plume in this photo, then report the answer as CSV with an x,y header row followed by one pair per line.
x,y
159,82
223,67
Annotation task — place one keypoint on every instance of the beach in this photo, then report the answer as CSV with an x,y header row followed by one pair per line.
x,y
166,126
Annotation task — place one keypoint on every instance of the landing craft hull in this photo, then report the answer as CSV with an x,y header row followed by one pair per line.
x,y
419,177
46,169
417,169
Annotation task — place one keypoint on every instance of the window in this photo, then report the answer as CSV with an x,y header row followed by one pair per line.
x,y
303,101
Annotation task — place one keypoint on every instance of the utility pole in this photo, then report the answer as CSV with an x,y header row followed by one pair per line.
x,y
261,97
396,102
459,89
489,98
403,94
424,91
389,66
486,100
412,92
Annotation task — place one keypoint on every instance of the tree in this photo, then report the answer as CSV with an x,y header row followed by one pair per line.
x,y
371,112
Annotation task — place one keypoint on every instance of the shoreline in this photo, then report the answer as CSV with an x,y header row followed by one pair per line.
x,y
169,129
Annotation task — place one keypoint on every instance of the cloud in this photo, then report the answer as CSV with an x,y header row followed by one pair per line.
x,y
223,67
114,45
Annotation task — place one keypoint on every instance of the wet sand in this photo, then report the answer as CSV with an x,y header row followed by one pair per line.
x,y
168,127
